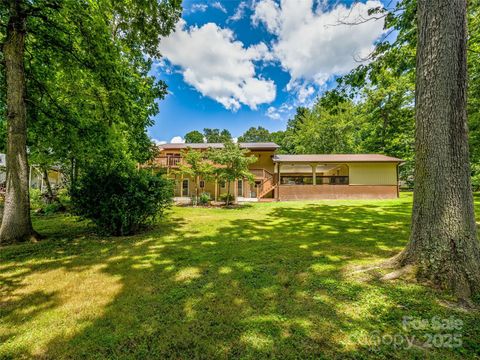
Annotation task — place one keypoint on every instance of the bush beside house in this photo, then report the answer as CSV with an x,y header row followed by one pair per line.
x,y
121,200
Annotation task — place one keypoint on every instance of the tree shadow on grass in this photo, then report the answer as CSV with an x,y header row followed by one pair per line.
x,y
272,285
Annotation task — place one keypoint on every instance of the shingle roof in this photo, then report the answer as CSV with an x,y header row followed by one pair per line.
x,y
336,158
258,146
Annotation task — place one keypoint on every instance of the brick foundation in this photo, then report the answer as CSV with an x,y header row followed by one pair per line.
x,y
320,192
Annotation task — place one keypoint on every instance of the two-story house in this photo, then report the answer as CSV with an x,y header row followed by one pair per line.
x,y
292,177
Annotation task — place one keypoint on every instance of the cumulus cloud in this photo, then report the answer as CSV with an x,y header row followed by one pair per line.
x,y
158,142
273,113
316,43
219,6
239,12
304,93
177,140
269,13
198,8
277,113
219,66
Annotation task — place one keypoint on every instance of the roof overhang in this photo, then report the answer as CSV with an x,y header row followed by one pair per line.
x,y
267,146
336,158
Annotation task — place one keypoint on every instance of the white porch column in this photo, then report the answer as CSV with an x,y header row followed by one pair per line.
x,y
314,173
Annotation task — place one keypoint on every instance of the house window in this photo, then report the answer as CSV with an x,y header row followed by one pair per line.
x,y
297,180
185,187
202,184
332,180
240,187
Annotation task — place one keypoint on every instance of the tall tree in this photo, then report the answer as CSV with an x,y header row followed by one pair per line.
x,y
16,222
196,165
233,162
99,69
331,126
443,243
217,136
194,137
255,134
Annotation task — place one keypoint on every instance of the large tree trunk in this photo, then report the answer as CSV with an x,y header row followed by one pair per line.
x,y
16,222
443,243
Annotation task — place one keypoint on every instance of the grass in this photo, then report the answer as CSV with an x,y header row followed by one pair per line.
x,y
268,280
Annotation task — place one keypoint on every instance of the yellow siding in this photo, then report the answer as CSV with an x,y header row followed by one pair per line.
x,y
165,152
264,160
373,173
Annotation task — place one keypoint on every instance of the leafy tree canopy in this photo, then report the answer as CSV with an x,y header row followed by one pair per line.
x,y
217,136
194,137
255,134
89,92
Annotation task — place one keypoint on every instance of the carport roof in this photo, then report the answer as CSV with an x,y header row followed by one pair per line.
x,y
336,158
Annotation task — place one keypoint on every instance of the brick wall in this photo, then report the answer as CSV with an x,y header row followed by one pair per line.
x,y
319,192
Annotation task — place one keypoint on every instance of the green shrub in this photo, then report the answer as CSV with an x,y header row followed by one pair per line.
x,y
53,208
224,197
204,198
41,203
121,200
63,196
36,199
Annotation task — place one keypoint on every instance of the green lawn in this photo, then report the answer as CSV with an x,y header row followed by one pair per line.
x,y
268,280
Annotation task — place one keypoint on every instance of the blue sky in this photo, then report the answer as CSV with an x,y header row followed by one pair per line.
x,y
237,64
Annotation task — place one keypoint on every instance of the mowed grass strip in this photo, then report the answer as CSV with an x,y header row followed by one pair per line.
x,y
267,280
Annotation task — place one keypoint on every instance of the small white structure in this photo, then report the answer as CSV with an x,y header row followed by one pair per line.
x,y
35,175
3,165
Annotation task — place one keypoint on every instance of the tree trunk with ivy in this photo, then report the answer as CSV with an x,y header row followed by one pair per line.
x,y
16,222
443,245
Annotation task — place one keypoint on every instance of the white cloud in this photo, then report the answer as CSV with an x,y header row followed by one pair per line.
x,y
198,8
281,112
219,6
314,44
273,113
260,51
269,13
304,93
158,142
239,12
177,140
219,66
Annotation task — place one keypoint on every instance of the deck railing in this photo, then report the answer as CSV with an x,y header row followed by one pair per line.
x,y
258,173
168,161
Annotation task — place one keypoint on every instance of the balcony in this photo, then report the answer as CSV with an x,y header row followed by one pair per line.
x,y
168,161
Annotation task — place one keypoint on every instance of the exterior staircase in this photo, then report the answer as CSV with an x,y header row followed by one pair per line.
x,y
267,185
